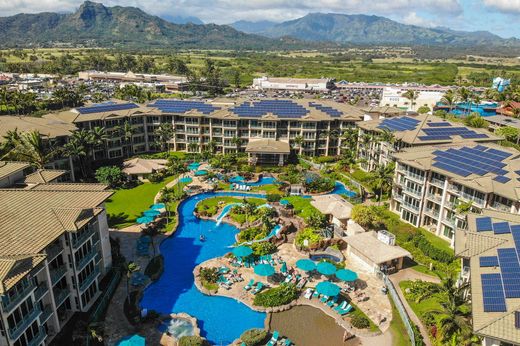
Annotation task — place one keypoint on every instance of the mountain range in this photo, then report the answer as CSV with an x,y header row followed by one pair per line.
x,y
369,30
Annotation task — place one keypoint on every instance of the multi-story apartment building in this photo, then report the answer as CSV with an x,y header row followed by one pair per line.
x,y
407,132
490,250
55,249
432,184
313,127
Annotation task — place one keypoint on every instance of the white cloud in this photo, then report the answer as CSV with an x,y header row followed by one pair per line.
x,y
414,19
506,6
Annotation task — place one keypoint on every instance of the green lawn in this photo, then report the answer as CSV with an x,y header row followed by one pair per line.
x,y
268,189
426,305
398,329
211,204
302,206
126,205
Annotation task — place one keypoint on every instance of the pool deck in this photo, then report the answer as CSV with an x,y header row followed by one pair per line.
x,y
377,307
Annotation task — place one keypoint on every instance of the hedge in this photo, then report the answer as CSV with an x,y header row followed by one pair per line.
x,y
281,295
431,251
254,337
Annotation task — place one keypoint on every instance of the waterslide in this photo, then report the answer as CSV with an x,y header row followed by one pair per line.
x,y
271,234
228,208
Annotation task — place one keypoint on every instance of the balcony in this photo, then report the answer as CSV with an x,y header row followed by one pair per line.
x,y
47,312
38,338
40,291
83,237
451,221
414,176
58,273
60,296
434,197
8,303
86,259
470,198
432,212
17,330
417,193
409,205
53,251
437,182
89,279
501,207
397,197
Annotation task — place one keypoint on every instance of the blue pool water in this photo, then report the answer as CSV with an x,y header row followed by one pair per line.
x,y
220,319
264,181
225,211
484,110
238,179
185,180
341,189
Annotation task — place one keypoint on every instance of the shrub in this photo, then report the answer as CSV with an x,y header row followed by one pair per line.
x,y
360,322
155,268
112,176
309,234
431,251
192,341
252,233
254,337
316,220
273,197
209,275
155,177
366,216
325,159
263,248
281,295
423,110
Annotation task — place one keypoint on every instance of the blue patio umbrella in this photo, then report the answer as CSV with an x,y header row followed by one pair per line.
x,y
132,340
201,173
346,275
283,268
306,265
152,213
158,206
328,289
242,251
185,180
264,269
326,268
144,219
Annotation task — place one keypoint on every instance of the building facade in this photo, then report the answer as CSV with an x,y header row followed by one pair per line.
x,y
293,84
393,97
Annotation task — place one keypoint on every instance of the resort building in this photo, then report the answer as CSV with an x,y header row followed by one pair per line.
x,y
55,249
434,185
490,252
311,127
337,209
393,97
293,84
498,121
407,132
170,83
141,168
21,174
268,151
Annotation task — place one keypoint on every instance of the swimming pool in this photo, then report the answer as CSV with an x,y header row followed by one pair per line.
x,y
220,319
264,181
341,189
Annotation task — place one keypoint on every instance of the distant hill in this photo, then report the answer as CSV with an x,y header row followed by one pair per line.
x,y
253,27
374,30
182,19
93,24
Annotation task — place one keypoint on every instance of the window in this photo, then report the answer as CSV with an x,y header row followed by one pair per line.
x,y
447,232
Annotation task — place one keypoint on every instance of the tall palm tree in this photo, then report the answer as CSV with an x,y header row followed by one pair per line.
x,y
237,141
382,178
411,95
33,148
193,147
11,140
449,99
78,152
465,95
126,131
298,140
164,134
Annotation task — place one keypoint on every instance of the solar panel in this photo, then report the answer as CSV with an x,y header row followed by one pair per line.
x,y
501,179
493,293
488,261
329,110
399,124
501,228
106,107
280,108
180,106
510,269
439,124
484,224
434,138
515,231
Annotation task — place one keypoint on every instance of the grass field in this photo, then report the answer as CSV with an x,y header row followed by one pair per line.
x,y
425,306
302,206
126,205
398,329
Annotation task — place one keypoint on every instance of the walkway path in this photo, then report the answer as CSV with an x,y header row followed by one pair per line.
x,y
410,274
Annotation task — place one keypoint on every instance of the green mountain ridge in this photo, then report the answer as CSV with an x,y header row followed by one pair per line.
x,y
95,25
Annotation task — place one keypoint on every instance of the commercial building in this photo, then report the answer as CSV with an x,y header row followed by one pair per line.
x,y
170,83
490,252
434,185
55,249
407,132
293,84
393,97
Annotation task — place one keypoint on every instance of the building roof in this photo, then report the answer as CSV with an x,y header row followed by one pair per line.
x,y
334,205
268,146
426,158
14,268
42,176
8,168
495,324
375,250
143,166
427,129
504,120
51,127
69,187
384,110
287,80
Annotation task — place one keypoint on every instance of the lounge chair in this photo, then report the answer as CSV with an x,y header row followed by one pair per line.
x,y
332,302
249,285
259,287
341,306
324,299
288,278
308,293
287,342
301,283
275,336
346,310
316,294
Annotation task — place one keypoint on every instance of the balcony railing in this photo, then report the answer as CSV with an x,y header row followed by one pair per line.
x,y
501,207
38,338
53,251
437,182
60,296
434,197
89,279
41,291
432,212
82,238
413,192
452,221
8,303
57,274
47,312
86,259
16,331
470,198
410,205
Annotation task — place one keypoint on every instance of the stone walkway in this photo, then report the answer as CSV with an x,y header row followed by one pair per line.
x,y
410,274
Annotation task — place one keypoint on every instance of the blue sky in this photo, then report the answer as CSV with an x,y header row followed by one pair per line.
x,y
498,16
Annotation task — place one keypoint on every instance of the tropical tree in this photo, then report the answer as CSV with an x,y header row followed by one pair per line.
x,y
237,141
476,120
193,147
163,134
465,95
449,99
167,197
510,133
126,132
131,268
411,95
298,141
33,148
78,152
11,140
382,178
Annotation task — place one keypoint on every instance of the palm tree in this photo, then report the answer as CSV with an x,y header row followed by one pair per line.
x,y
382,178
515,111
76,149
167,197
126,131
465,95
131,268
237,142
411,95
31,147
449,99
298,140
386,136
164,134
193,147
211,146
11,140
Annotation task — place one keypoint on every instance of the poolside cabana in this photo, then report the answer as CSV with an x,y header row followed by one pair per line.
x,y
140,168
374,254
268,151
337,209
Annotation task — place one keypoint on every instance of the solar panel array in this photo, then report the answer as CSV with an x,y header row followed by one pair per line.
x,y
445,133
334,113
399,124
479,160
488,261
493,293
180,106
510,269
280,108
106,107
438,124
